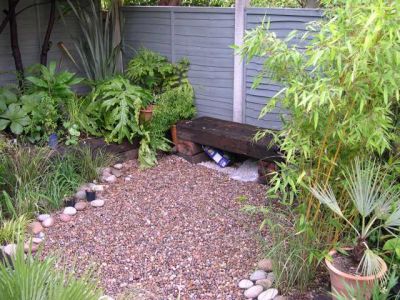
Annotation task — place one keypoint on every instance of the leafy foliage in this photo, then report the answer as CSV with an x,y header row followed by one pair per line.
x,y
117,104
154,72
12,231
340,93
12,114
98,56
33,179
33,278
341,89
374,202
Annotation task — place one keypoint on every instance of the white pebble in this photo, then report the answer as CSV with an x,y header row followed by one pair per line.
x,y
257,275
97,203
245,284
43,217
268,294
118,166
69,211
253,292
48,222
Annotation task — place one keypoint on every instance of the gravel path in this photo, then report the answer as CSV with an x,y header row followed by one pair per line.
x,y
173,231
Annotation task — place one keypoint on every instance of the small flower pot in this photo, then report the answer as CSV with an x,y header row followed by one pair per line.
x,y
174,135
341,281
146,114
69,202
90,195
53,141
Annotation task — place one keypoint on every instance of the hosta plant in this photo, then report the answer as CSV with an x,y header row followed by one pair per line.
x,y
377,207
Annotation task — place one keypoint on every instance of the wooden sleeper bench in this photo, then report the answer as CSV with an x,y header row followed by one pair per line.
x,y
225,135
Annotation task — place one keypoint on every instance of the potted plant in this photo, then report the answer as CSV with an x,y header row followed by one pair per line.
x,y
357,268
90,195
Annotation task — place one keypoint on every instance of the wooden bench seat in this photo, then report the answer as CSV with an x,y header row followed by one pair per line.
x,y
228,136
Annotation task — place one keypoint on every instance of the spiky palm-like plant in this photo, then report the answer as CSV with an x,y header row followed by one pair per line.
x,y
376,203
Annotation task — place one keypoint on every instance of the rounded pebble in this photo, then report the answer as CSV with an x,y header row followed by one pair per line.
x,y
257,275
35,228
98,188
30,247
69,211
65,218
118,166
37,240
10,249
245,284
97,203
80,195
81,205
265,283
268,294
265,265
110,179
253,292
48,222
43,217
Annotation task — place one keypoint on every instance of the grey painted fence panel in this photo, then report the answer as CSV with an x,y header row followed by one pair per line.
x,y
204,36
282,22
32,24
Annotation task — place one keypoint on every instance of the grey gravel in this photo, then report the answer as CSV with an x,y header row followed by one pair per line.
x,y
176,230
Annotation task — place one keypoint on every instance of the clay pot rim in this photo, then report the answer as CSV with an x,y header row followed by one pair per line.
x,y
148,108
354,277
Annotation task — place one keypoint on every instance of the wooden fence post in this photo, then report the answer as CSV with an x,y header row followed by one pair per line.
x,y
238,79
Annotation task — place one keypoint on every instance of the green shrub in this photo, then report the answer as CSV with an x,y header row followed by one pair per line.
x,y
12,231
340,94
35,179
155,73
97,55
116,106
33,278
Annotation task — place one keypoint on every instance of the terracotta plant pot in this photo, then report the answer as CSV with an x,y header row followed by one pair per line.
x,y
341,280
174,135
146,114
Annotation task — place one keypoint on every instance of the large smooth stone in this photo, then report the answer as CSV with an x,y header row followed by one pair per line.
x,y
43,217
30,247
80,195
10,249
253,292
110,179
265,265
97,203
37,240
98,188
268,294
65,218
116,173
257,275
265,283
48,222
245,284
81,205
35,227
69,211
118,166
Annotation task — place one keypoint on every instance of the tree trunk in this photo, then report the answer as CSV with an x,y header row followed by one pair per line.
x,y
50,26
19,67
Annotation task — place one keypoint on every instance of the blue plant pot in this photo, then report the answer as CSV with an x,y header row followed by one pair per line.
x,y
53,140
